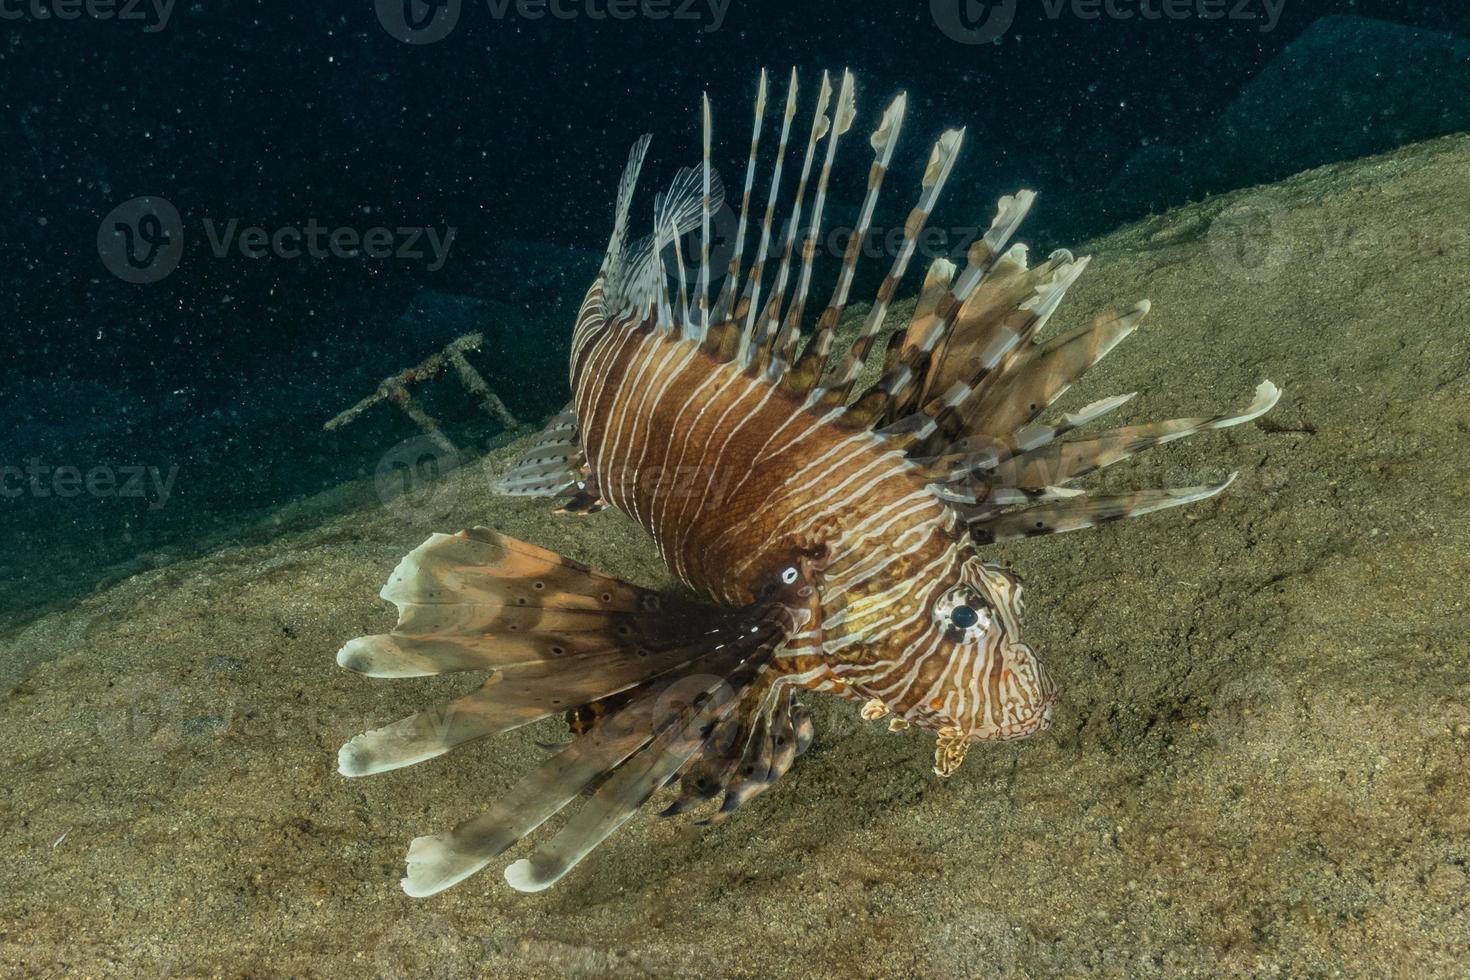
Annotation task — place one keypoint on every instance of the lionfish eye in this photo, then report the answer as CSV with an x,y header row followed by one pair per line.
x,y
962,609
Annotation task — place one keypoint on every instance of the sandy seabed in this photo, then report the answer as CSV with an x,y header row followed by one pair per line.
x,y
1258,768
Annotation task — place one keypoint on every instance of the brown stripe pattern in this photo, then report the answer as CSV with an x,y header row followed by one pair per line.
x,y
735,479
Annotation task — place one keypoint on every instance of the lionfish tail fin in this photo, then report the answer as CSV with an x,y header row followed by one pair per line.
x,y
647,682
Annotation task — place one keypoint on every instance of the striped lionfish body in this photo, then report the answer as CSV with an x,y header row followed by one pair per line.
x,y
833,533
737,483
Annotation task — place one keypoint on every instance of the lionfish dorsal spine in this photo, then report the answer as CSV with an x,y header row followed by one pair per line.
x,y
883,141
969,362
751,297
767,338
936,172
841,122
895,391
702,329
725,302
681,325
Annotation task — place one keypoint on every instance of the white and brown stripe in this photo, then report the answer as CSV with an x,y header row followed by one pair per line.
x,y
733,478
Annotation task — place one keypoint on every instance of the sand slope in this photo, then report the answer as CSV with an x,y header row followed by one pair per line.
x,y
1259,765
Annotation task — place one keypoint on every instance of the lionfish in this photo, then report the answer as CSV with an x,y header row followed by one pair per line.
x,y
832,532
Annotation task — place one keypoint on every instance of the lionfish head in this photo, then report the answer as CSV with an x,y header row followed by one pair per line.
x,y
996,688
966,674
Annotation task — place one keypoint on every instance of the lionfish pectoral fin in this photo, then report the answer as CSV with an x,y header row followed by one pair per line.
x,y
1050,460
556,633
553,466
1036,478
1086,510
639,745
670,723
661,677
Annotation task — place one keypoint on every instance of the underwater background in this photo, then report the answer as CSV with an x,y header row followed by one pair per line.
x,y
228,222
505,136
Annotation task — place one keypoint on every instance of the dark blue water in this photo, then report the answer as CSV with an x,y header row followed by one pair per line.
x,y
306,171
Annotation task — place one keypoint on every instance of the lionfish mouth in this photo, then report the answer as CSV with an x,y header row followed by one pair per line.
x,y
1037,721
954,742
